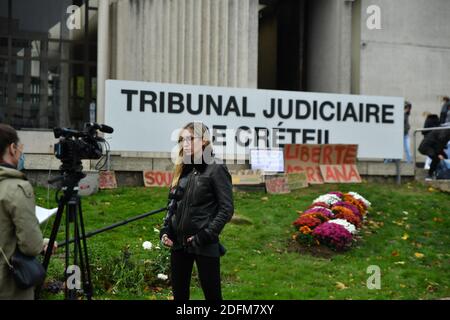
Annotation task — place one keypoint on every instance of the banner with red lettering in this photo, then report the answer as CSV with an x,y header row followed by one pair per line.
x,y
153,178
303,158
107,180
340,173
309,158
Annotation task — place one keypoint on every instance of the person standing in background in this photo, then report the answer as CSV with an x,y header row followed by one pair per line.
x,y
407,126
445,115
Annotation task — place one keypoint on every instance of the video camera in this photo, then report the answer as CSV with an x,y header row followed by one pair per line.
x,y
73,145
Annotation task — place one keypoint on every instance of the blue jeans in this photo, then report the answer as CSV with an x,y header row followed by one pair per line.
x,y
407,147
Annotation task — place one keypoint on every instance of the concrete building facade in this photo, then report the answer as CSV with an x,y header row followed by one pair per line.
x,y
369,47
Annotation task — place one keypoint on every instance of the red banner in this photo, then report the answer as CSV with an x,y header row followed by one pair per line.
x,y
277,185
107,180
309,157
340,173
300,158
157,178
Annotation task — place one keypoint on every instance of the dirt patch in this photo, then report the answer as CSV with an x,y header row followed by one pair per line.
x,y
319,251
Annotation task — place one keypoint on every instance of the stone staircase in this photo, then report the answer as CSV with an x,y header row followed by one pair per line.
x,y
443,185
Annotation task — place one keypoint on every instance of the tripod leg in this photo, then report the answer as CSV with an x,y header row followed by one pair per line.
x,y
77,241
67,292
52,240
88,283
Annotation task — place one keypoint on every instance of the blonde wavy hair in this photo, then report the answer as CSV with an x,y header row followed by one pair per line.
x,y
198,129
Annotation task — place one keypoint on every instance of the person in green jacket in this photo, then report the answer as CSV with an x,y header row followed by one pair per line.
x,y
19,227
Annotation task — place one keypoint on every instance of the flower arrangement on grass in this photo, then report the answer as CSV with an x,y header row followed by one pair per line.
x,y
324,211
332,220
333,235
347,225
358,203
350,206
344,213
319,204
328,198
308,221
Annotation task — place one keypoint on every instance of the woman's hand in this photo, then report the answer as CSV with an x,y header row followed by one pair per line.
x,y
166,241
55,246
441,157
189,240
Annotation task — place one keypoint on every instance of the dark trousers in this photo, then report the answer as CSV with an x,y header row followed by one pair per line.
x,y
435,162
208,272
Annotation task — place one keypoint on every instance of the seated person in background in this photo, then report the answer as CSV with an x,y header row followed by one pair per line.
x,y
431,121
433,145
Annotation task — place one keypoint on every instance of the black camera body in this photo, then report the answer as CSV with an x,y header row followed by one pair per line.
x,y
71,146
80,145
74,146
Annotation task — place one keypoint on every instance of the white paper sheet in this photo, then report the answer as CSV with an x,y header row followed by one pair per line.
x,y
44,214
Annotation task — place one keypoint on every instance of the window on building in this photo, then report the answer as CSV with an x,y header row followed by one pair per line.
x,y
48,51
281,44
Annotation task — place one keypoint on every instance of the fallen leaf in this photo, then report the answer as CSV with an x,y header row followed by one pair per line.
x,y
341,286
405,236
419,255
402,285
438,220
430,189
399,262
264,198
395,253
418,245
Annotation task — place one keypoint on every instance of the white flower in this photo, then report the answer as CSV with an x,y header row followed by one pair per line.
x,y
329,199
347,225
156,230
147,245
162,277
359,197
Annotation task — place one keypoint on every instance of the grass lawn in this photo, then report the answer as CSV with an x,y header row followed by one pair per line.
x,y
407,235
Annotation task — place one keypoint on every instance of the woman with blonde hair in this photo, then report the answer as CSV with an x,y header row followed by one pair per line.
x,y
200,204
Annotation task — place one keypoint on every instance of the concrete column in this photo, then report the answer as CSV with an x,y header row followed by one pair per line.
x,y
214,44
186,41
205,36
329,46
223,43
233,13
102,57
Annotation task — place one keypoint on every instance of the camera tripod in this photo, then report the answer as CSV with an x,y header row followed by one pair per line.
x,y
70,203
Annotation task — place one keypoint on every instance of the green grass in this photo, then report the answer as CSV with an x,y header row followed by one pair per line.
x,y
258,264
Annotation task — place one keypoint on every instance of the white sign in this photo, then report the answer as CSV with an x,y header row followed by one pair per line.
x,y
147,117
267,160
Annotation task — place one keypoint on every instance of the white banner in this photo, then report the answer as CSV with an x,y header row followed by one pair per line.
x,y
147,117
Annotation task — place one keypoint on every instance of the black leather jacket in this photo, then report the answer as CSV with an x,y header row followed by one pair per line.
x,y
201,209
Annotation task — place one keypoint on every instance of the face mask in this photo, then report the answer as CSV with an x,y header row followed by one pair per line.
x,y
21,164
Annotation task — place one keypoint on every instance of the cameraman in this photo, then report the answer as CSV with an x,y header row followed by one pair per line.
x,y
198,214
19,227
